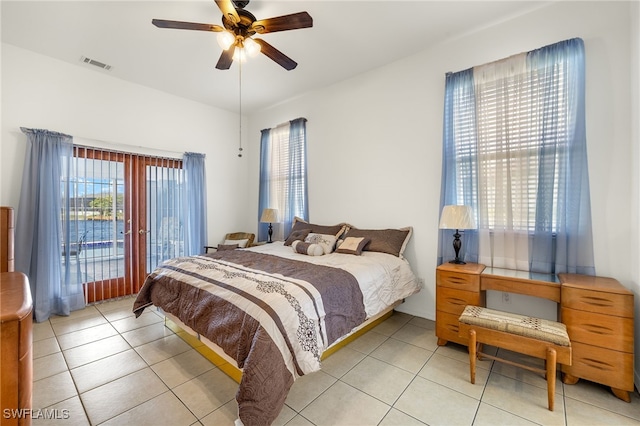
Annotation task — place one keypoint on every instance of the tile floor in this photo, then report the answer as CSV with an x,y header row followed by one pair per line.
x,y
103,366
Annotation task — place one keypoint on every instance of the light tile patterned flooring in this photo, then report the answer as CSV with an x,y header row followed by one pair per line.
x,y
106,367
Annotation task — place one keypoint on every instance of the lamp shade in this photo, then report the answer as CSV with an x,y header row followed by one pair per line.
x,y
225,39
457,217
269,216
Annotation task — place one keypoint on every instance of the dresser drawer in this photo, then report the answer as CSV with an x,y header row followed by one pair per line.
x,y
467,282
454,301
616,304
447,327
601,330
605,366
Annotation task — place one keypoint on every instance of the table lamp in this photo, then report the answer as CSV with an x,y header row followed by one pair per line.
x,y
269,216
457,217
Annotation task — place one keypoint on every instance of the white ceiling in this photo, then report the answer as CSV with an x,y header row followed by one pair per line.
x,y
347,38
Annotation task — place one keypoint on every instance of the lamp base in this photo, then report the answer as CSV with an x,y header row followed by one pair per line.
x,y
456,247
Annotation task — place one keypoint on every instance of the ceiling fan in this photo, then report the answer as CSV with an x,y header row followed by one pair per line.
x,y
239,27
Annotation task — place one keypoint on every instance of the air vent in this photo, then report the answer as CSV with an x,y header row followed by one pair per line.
x,y
95,63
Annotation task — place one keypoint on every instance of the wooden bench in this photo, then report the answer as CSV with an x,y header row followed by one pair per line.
x,y
544,339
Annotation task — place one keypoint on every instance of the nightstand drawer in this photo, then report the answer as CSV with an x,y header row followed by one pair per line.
x,y
454,301
605,331
616,304
458,281
447,327
604,366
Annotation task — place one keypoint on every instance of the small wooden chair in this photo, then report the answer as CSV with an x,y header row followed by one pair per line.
x,y
234,236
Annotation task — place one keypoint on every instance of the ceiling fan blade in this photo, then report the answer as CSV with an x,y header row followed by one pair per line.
x,y
228,10
180,25
271,52
224,63
283,23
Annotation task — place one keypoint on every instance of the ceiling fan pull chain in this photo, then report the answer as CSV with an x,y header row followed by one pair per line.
x,y
240,102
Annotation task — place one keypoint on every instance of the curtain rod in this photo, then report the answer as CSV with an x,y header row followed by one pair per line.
x,y
96,143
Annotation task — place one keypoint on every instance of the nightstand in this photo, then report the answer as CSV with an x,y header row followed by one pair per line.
x,y
456,287
598,313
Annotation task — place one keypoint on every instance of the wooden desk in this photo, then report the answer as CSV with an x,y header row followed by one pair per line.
x,y
597,311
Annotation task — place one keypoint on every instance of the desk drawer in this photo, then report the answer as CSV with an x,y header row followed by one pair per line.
x,y
605,331
620,305
447,327
454,301
467,282
605,366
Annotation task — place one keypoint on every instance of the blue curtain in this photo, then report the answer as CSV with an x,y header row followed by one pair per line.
x,y
573,248
459,166
39,226
195,234
264,200
566,246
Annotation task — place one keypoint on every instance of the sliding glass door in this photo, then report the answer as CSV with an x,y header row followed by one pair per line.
x,y
123,216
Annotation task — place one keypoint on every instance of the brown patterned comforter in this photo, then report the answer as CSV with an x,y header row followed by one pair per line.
x,y
273,316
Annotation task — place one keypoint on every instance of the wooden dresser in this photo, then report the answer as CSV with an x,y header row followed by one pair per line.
x,y
16,356
598,313
456,287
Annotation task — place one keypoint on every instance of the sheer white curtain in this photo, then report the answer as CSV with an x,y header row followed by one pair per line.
x,y
507,163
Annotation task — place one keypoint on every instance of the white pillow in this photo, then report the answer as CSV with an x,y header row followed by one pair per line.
x,y
240,243
326,241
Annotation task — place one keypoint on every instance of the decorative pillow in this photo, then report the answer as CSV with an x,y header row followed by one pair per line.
x,y
307,248
353,245
327,242
391,241
223,247
336,230
299,234
240,243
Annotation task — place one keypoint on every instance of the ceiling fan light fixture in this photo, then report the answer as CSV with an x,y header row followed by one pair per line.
x,y
226,39
252,48
240,55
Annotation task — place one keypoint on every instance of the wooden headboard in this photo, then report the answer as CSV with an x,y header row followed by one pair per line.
x,y
6,239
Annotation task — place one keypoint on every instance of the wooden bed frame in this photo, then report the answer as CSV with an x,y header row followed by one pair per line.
x,y
214,353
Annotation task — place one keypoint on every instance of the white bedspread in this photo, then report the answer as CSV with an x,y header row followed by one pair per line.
x,y
383,278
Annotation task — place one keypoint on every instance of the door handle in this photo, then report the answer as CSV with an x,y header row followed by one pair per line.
x,y
142,231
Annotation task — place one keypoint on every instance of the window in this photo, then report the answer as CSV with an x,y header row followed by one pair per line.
x,y
283,175
515,150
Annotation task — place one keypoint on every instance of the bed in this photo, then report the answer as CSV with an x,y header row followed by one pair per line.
x,y
272,310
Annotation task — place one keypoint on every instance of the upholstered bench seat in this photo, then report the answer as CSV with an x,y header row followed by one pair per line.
x,y
540,329
527,335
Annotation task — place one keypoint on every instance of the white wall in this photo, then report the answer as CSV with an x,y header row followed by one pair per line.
x,y
41,92
375,140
